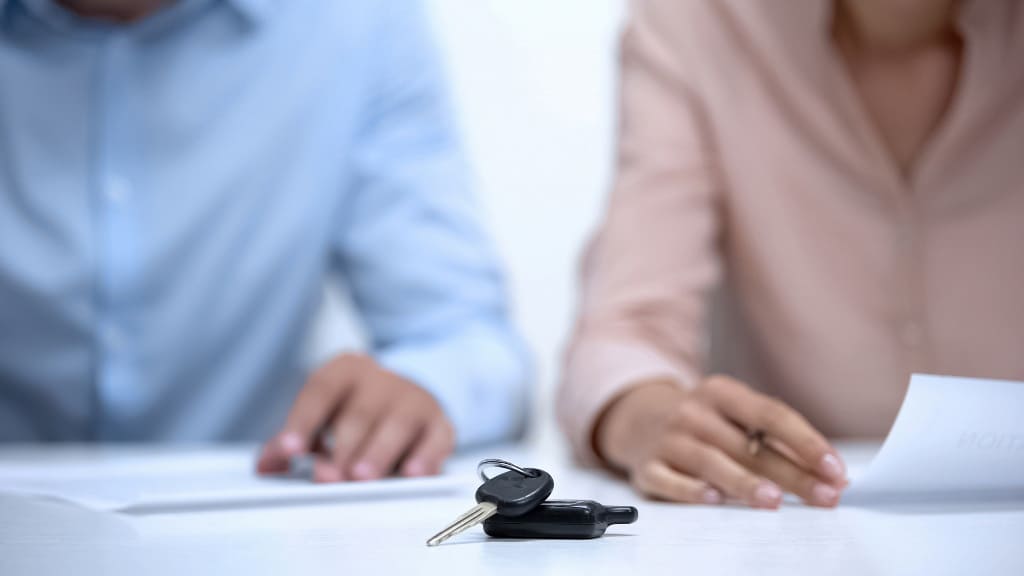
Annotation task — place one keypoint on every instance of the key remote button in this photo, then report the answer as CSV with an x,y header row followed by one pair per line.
x,y
516,494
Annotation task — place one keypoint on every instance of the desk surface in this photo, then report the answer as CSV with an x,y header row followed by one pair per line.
x,y
387,535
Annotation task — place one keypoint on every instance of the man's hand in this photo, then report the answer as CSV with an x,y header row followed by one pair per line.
x,y
694,446
363,423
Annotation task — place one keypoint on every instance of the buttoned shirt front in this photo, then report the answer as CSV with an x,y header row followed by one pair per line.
x,y
174,192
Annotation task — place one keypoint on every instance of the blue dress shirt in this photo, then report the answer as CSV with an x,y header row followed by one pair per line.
x,y
174,192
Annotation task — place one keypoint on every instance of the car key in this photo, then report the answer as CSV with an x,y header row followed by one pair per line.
x,y
568,519
512,493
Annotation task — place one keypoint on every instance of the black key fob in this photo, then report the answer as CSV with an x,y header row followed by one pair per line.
x,y
515,493
566,519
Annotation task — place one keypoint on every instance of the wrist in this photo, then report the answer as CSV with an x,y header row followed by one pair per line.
x,y
627,419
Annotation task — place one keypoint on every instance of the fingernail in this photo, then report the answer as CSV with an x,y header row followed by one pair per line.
x,y
832,467
767,495
712,496
364,471
291,443
824,495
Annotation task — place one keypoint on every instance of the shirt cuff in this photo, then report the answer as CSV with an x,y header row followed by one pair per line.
x,y
598,372
478,377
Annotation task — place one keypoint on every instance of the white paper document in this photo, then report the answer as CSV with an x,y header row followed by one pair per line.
x,y
164,483
954,438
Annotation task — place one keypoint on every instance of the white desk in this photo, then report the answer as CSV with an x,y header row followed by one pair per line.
x,y
387,536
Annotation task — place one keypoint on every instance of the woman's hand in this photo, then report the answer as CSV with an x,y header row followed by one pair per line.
x,y
695,446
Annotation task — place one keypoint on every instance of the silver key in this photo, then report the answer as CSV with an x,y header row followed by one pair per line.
x,y
513,493
476,515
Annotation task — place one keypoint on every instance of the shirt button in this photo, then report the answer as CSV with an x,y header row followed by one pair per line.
x,y
118,189
911,334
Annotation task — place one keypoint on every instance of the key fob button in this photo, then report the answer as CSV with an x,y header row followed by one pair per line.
x,y
516,494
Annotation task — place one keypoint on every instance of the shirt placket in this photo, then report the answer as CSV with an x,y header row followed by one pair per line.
x,y
117,382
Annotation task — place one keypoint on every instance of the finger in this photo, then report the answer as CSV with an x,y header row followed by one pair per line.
x,y
351,428
313,407
392,437
756,411
272,458
712,429
276,455
708,463
430,450
795,479
324,470
658,480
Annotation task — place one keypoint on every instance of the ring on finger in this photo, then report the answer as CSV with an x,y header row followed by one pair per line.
x,y
755,442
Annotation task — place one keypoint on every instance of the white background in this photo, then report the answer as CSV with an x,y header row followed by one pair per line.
x,y
534,83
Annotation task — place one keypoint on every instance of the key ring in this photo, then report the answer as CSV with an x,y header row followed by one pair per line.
x,y
499,463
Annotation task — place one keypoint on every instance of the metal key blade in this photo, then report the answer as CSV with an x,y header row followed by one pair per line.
x,y
476,515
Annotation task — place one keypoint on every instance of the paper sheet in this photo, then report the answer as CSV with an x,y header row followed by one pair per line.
x,y
165,483
960,438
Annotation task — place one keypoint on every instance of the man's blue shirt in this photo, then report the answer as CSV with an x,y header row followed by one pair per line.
x,y
174,192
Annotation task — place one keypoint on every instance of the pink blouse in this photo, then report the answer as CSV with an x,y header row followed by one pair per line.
x,y
747,162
